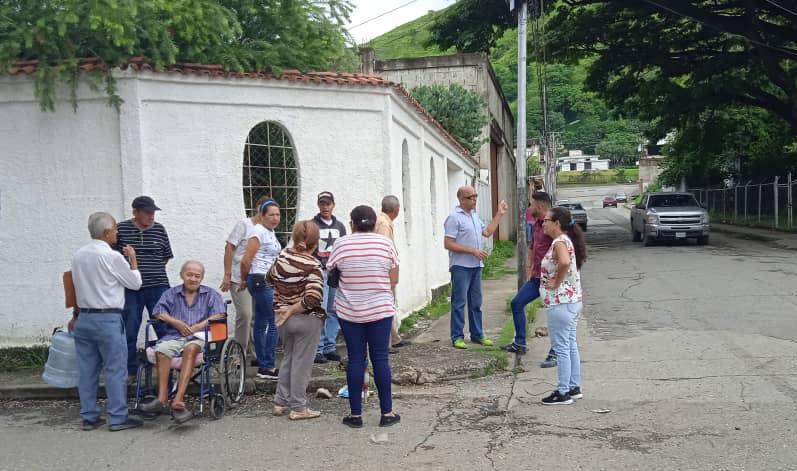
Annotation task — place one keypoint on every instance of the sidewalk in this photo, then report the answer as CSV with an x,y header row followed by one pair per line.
x,y
429,358
778,239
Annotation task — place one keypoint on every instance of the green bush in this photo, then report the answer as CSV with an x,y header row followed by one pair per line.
x,y
23,358
598,177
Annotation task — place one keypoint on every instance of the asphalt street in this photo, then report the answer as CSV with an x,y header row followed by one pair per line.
x,y
688,363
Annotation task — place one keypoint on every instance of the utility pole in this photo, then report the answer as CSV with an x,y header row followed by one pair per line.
x,y
520,157
550,163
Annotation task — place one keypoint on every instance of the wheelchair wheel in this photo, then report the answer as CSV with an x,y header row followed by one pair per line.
x,y
145,388
233,372
217,407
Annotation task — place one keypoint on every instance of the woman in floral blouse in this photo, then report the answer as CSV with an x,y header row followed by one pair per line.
x,y
560,290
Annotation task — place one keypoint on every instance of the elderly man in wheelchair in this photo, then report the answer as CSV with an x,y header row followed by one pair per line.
x,y
185,311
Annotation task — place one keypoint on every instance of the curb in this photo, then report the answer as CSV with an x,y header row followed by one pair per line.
x,y
742,234
253,386
775,242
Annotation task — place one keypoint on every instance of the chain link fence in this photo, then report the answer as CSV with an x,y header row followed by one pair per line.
x,y
763,204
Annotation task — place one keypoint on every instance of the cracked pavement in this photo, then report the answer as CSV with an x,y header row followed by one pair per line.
x,y
691,350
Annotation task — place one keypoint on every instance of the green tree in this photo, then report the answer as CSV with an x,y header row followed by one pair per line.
x,y
252,35
533,166
671,61
460,111
471,25
733,142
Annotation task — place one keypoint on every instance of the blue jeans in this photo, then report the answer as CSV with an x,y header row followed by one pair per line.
x,y
562,321
466,284
265,324
375,338
331,325
100,344
526,294
135,302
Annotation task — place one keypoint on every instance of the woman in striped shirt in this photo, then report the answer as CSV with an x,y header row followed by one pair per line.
x,y
298,290
369,269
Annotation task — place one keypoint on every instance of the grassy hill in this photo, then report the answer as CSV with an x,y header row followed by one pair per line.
x,y
407,40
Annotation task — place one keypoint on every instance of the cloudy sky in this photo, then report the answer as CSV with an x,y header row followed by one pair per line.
x,y
404,10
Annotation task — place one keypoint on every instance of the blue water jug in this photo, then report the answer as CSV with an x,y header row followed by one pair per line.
x,y
61,367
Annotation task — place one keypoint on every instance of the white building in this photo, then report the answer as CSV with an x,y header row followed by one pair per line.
x,y
204,144
576,161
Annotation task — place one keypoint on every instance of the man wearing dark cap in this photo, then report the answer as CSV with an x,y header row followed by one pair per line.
x,y
330,230
153,250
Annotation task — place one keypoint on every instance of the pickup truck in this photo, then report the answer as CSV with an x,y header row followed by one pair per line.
x,y
669,216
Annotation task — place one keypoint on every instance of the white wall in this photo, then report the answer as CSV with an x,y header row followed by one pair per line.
x,y
55,169
182,141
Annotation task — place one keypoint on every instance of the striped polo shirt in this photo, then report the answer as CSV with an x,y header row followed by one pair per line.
x,y
153,250
364,260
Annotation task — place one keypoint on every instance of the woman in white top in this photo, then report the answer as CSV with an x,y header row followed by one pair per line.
x,y
560,291
262,249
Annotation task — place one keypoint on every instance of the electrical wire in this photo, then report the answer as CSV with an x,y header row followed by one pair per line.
x,y
787,52
381,15
777,5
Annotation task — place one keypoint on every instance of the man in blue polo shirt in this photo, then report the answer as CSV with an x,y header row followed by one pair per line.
x,y
464,233
151,243
185,310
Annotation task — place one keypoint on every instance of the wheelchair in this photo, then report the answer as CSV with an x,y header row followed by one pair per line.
x,y
220,371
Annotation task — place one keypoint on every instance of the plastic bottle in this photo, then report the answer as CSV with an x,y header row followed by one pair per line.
x,y
61,367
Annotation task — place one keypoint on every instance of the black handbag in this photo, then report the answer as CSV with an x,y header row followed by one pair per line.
x,y
333,278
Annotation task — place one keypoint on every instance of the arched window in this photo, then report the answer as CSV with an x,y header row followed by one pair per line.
x,y
406,188
270,169
433,195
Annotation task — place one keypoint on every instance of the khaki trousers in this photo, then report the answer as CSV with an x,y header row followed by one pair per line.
x,y
244,306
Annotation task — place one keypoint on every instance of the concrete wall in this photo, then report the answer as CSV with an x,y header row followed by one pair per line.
x,y
181,140
472,71
649,170
55,169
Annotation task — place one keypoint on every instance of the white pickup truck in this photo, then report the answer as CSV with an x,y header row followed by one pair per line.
x,y
669,216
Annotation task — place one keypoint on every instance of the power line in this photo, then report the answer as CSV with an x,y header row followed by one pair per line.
x,y
382,14
788,52
777,5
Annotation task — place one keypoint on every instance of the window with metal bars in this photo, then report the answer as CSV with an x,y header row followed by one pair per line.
x,y
270,169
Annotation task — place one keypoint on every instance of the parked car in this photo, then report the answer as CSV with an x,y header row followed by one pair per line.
x,y
578,213
609,201
669,216
621,197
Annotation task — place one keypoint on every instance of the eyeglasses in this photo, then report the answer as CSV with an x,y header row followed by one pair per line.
x,y
547,220
471,197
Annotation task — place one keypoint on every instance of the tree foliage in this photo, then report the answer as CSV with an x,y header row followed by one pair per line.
x,y
471,25
252,35
721,73
460,111
737,143
671,61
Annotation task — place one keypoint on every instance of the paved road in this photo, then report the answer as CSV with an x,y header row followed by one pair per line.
x,y
691,349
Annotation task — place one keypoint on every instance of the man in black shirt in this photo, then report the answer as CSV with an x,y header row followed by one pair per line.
x,y
330,230
153,250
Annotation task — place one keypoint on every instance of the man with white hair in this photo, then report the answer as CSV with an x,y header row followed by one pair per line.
x,y
186,310
101,275
391,208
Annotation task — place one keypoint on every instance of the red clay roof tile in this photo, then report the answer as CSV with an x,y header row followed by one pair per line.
x,y
139,63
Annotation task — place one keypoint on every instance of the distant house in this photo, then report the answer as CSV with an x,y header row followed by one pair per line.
x,y
473,72
650,162
206,144
576,161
